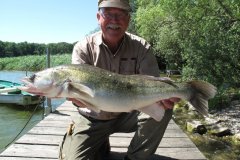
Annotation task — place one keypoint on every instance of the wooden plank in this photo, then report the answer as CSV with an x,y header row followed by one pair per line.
x,y
114,141
62,131
170,153
168,133
48,131
40,139
68,107
64,124
180,153
57,117
166,142
39,151
33,151
52,123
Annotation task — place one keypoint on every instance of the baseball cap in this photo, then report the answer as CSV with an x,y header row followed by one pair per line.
x,y
122,4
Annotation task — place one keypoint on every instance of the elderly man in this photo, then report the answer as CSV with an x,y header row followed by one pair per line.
x,y
115,50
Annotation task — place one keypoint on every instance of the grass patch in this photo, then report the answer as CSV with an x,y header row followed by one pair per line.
x,y
33,63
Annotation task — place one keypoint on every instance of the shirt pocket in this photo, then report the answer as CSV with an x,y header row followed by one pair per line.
x,y
127,66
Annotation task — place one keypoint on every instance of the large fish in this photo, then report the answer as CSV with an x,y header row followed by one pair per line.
x,y
103,90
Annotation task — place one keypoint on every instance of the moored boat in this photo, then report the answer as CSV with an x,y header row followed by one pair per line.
x,y
10,94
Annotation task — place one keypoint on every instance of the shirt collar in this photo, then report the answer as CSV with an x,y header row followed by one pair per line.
x,y
99,39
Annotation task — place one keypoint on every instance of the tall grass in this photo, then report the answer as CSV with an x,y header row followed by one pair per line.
x,y
33,63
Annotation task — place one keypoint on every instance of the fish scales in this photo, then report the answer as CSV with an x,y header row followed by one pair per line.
x,y
108,91
113,82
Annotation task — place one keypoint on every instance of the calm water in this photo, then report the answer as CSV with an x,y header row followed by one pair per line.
x,y
17,120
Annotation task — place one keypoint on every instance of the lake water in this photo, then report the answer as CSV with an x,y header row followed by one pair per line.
x,y
15,120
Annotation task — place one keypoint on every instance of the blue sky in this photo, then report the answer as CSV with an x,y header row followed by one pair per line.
x,y
47,21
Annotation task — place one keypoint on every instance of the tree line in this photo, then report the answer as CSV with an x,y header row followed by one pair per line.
x,y
198,37
12,49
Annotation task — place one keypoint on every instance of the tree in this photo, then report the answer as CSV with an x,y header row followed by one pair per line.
x,y
158,26
11,49
210,40
2,49
201,37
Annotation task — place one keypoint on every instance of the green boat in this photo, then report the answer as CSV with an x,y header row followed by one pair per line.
x,y
10,94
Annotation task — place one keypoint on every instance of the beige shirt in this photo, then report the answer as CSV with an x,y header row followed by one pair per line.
x,y
134,56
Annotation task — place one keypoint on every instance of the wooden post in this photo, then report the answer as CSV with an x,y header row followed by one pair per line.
x,y
48,108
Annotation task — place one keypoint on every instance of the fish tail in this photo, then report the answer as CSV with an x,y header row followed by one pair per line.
x,y
202,92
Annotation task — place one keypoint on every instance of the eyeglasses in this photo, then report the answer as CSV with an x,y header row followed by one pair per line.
x,y
109,16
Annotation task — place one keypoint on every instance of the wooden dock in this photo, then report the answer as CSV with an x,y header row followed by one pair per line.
x,y
42,141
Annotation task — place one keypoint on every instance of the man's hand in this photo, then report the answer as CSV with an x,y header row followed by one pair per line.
x,y
168,103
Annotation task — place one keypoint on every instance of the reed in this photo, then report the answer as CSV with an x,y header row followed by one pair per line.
x,y
33,63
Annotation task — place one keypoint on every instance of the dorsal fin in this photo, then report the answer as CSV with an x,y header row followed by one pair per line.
x,y
162,79
167,80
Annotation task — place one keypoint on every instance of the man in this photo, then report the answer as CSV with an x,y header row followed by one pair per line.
x,y
115,50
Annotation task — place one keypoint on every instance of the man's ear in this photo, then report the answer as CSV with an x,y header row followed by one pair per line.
x,y
98,16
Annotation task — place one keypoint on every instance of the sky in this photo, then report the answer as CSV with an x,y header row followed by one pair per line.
x,y
47,21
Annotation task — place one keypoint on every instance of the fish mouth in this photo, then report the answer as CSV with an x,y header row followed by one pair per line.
x,y
29,87
30,90
27,81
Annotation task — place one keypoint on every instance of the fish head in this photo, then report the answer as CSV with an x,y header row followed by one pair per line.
x,y
45,83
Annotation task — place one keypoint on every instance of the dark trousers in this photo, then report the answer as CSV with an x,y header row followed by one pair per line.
x,y
89,136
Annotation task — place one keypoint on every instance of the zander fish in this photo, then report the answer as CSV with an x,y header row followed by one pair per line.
x,y
107,91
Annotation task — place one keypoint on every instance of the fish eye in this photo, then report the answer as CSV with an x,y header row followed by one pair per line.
x,y
32,77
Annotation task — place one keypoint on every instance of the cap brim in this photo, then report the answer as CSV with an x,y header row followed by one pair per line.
x,y
115,5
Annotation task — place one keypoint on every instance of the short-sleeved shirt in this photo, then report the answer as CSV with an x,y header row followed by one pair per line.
x,y
134,56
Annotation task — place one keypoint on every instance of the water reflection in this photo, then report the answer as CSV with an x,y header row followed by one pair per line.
x,y
16,121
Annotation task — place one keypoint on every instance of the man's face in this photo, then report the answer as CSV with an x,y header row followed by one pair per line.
x,y
113,22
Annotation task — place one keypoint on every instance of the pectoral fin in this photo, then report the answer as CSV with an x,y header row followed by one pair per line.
x,y
79,89
155,111
90,106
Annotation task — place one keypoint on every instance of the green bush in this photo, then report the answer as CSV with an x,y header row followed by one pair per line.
x,y
224,98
